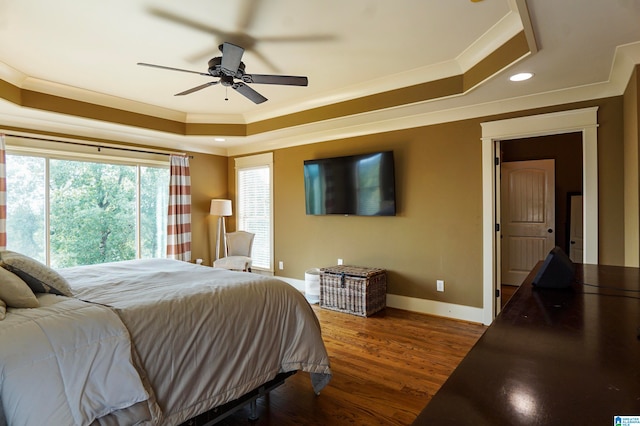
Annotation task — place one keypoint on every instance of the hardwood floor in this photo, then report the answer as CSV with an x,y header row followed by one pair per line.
x,y
385,370
506,292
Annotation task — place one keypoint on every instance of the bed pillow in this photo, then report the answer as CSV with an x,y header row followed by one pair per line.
x,y
15,292
39,277
3,309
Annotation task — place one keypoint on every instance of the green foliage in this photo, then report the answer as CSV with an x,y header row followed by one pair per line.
x,y
25,205
92,211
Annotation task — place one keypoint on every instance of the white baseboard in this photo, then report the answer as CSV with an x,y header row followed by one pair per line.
x,y
298,284
432,307
413,304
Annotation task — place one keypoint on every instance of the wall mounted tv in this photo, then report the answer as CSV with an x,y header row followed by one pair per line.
x,y
361,185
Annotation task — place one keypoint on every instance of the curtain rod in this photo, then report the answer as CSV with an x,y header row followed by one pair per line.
x,y
99,147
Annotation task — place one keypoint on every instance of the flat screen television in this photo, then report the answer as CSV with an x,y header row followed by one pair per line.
x,y
361,185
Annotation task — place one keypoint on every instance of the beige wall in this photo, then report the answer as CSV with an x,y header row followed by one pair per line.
x,y
611,182
437,233
208,180
439,202
631,166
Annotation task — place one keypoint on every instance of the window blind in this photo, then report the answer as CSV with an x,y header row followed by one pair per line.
x,y
254,210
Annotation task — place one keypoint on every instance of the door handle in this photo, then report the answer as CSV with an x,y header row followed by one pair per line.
x,y
573,242
550,231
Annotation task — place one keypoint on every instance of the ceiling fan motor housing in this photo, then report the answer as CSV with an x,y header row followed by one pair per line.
x,y
216,70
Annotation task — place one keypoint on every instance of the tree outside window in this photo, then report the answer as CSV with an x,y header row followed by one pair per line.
x,y
26,206
97,212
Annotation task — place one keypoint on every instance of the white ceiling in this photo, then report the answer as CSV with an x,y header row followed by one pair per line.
x,y
88,50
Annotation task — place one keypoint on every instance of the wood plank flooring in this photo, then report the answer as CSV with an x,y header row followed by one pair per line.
x,y
385,370
507,291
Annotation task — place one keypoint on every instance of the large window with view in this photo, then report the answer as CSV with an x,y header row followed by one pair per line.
x,y
69,212
254,206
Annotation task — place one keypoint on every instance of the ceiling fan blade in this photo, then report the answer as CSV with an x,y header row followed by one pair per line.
x,y
287,80
231,57
265,60
169,16
173,69
203,55
302,38
249,93
247,14
195,89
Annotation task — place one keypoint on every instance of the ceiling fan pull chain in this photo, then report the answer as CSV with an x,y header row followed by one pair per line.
x,y
226,93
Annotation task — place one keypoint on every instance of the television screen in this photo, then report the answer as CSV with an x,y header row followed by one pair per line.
x,y
362,185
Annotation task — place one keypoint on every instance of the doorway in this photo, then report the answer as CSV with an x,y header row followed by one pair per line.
x,y
583,121
543,212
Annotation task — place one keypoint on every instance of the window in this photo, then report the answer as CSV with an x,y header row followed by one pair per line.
x,y
68,212
26,221
254,206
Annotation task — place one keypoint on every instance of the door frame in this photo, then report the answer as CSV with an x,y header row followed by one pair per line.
x,y
583,120
567,237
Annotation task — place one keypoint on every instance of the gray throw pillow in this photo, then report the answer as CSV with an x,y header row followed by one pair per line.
x,y
38,276
15,292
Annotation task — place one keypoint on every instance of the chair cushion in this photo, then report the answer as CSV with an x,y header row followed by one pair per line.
x,y
236,263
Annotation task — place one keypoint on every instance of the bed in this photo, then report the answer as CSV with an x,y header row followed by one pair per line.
x,y
151,341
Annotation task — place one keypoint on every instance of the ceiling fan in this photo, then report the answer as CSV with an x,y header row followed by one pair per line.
x,y
247,15
229,68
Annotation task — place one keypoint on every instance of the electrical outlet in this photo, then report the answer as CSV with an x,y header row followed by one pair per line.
x,y
340,261
440,285
281,265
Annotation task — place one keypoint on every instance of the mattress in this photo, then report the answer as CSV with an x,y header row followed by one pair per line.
x,y
206,336
152,341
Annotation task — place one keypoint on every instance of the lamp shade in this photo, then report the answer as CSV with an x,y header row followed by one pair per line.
x,y
220,207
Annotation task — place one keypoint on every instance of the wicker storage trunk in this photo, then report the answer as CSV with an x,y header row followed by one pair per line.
x,y
353,289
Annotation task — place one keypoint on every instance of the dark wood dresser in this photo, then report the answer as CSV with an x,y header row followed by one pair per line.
x,y
552,357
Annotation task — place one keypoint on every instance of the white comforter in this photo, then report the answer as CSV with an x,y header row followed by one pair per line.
x,y
65,363
211,335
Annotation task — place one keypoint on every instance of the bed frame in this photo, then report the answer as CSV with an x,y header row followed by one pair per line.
x,y
221,412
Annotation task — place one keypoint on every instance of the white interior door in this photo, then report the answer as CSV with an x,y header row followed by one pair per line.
x,y
527,216
575,229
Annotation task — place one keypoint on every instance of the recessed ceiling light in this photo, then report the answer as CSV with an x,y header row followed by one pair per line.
x,y
521,76
219,139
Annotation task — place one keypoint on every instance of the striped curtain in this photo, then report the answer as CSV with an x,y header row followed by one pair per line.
x,y
179,219
3,196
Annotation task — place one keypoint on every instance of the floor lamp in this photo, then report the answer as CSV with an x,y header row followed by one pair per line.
x,y
220,208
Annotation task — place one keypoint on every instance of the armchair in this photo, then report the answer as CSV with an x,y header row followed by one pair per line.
x,y
238,257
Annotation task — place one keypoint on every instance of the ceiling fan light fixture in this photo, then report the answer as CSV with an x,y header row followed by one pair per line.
x,y
522,76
